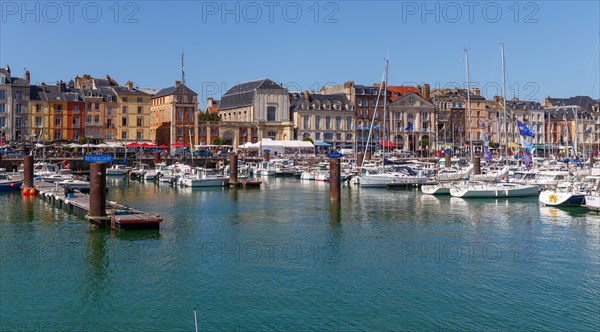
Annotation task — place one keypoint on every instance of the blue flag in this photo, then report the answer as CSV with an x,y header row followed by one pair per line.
x,y
409,128
527,159
523,130
588,131
487,155
485,138
526,145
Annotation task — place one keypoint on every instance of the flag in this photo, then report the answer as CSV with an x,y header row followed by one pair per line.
x,y
523,130
460,128
485,138
409,128
487,155
376,127
588,131
481,123
526,145
527,159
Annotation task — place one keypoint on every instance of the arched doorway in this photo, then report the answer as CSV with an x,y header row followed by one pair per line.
x,y
228,138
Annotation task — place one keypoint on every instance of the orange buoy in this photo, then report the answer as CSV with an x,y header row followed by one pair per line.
x,y
32,191
12,185
25,192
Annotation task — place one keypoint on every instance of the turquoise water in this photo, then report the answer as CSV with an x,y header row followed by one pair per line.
x,y
279,259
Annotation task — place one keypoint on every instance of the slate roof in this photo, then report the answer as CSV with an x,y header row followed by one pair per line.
x,y
242,94
296,99
180,89
558,114
416,95
124,91
13,80
584,102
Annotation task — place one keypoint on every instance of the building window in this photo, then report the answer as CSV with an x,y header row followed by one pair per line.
x,y
38,108
139,135
140,100
338,136
109,111
124,109
57,134
109,123
76,109
139,109
57,121
190,99
338,107
76,122
96,119
124,134
89,106
317,136
38,121
272,135
190,115
348,123
124,99
271,113
76,135
18,95
139,121
2,94
328,136
2,122
179,131
96,106
327,106
124,121
338,122
18,122
19,109
180,99
328,122
56,108
306,121
89,119
2,108
348,137
317,122
109,99
317,106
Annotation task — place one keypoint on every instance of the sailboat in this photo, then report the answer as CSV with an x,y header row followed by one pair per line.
x,y
398,175
496,189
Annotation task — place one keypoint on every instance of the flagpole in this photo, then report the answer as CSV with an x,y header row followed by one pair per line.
x,y
504,106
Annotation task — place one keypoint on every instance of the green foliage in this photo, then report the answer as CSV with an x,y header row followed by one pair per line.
x,y
205,117
308,139
86,140
218,141
424,142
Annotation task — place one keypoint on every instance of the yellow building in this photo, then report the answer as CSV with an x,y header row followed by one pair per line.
x,y
173,115
133,114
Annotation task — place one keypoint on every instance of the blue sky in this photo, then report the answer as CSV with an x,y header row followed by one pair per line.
x,y
552,47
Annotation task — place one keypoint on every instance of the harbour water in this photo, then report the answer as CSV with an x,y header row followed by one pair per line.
x,y
280,259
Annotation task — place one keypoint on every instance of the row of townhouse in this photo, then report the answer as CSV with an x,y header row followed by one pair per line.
x,y
347,115
97,108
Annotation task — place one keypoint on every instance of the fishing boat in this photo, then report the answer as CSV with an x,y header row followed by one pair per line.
x,y
8,182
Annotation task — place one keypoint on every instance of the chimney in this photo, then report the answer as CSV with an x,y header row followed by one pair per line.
x,y
62,86
8,70
476,91
209,101
426,91
177,83
129,85
27,75
306,96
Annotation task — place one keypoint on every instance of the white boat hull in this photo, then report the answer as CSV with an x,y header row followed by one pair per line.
x,y
553,198
494,191
436,189
217,182
592,202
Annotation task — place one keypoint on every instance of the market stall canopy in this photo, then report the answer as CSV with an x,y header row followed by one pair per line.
x,y
321,143
249,146
387,144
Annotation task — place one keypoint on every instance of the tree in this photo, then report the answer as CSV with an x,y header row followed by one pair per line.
x,y
424,142
86,140
308,139
205,117
218,141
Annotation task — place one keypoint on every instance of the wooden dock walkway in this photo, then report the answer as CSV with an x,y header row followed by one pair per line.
x,y
119,215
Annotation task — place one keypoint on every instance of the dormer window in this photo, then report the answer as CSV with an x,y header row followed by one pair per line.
x,y
338,106
328,106
305,106
317,106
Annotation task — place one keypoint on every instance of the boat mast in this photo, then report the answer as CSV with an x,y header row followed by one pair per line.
x,y
504,107
469,105
383,79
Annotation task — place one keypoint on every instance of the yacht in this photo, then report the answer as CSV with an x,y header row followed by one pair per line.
x,y
203,177
117,170
565,194
493,190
